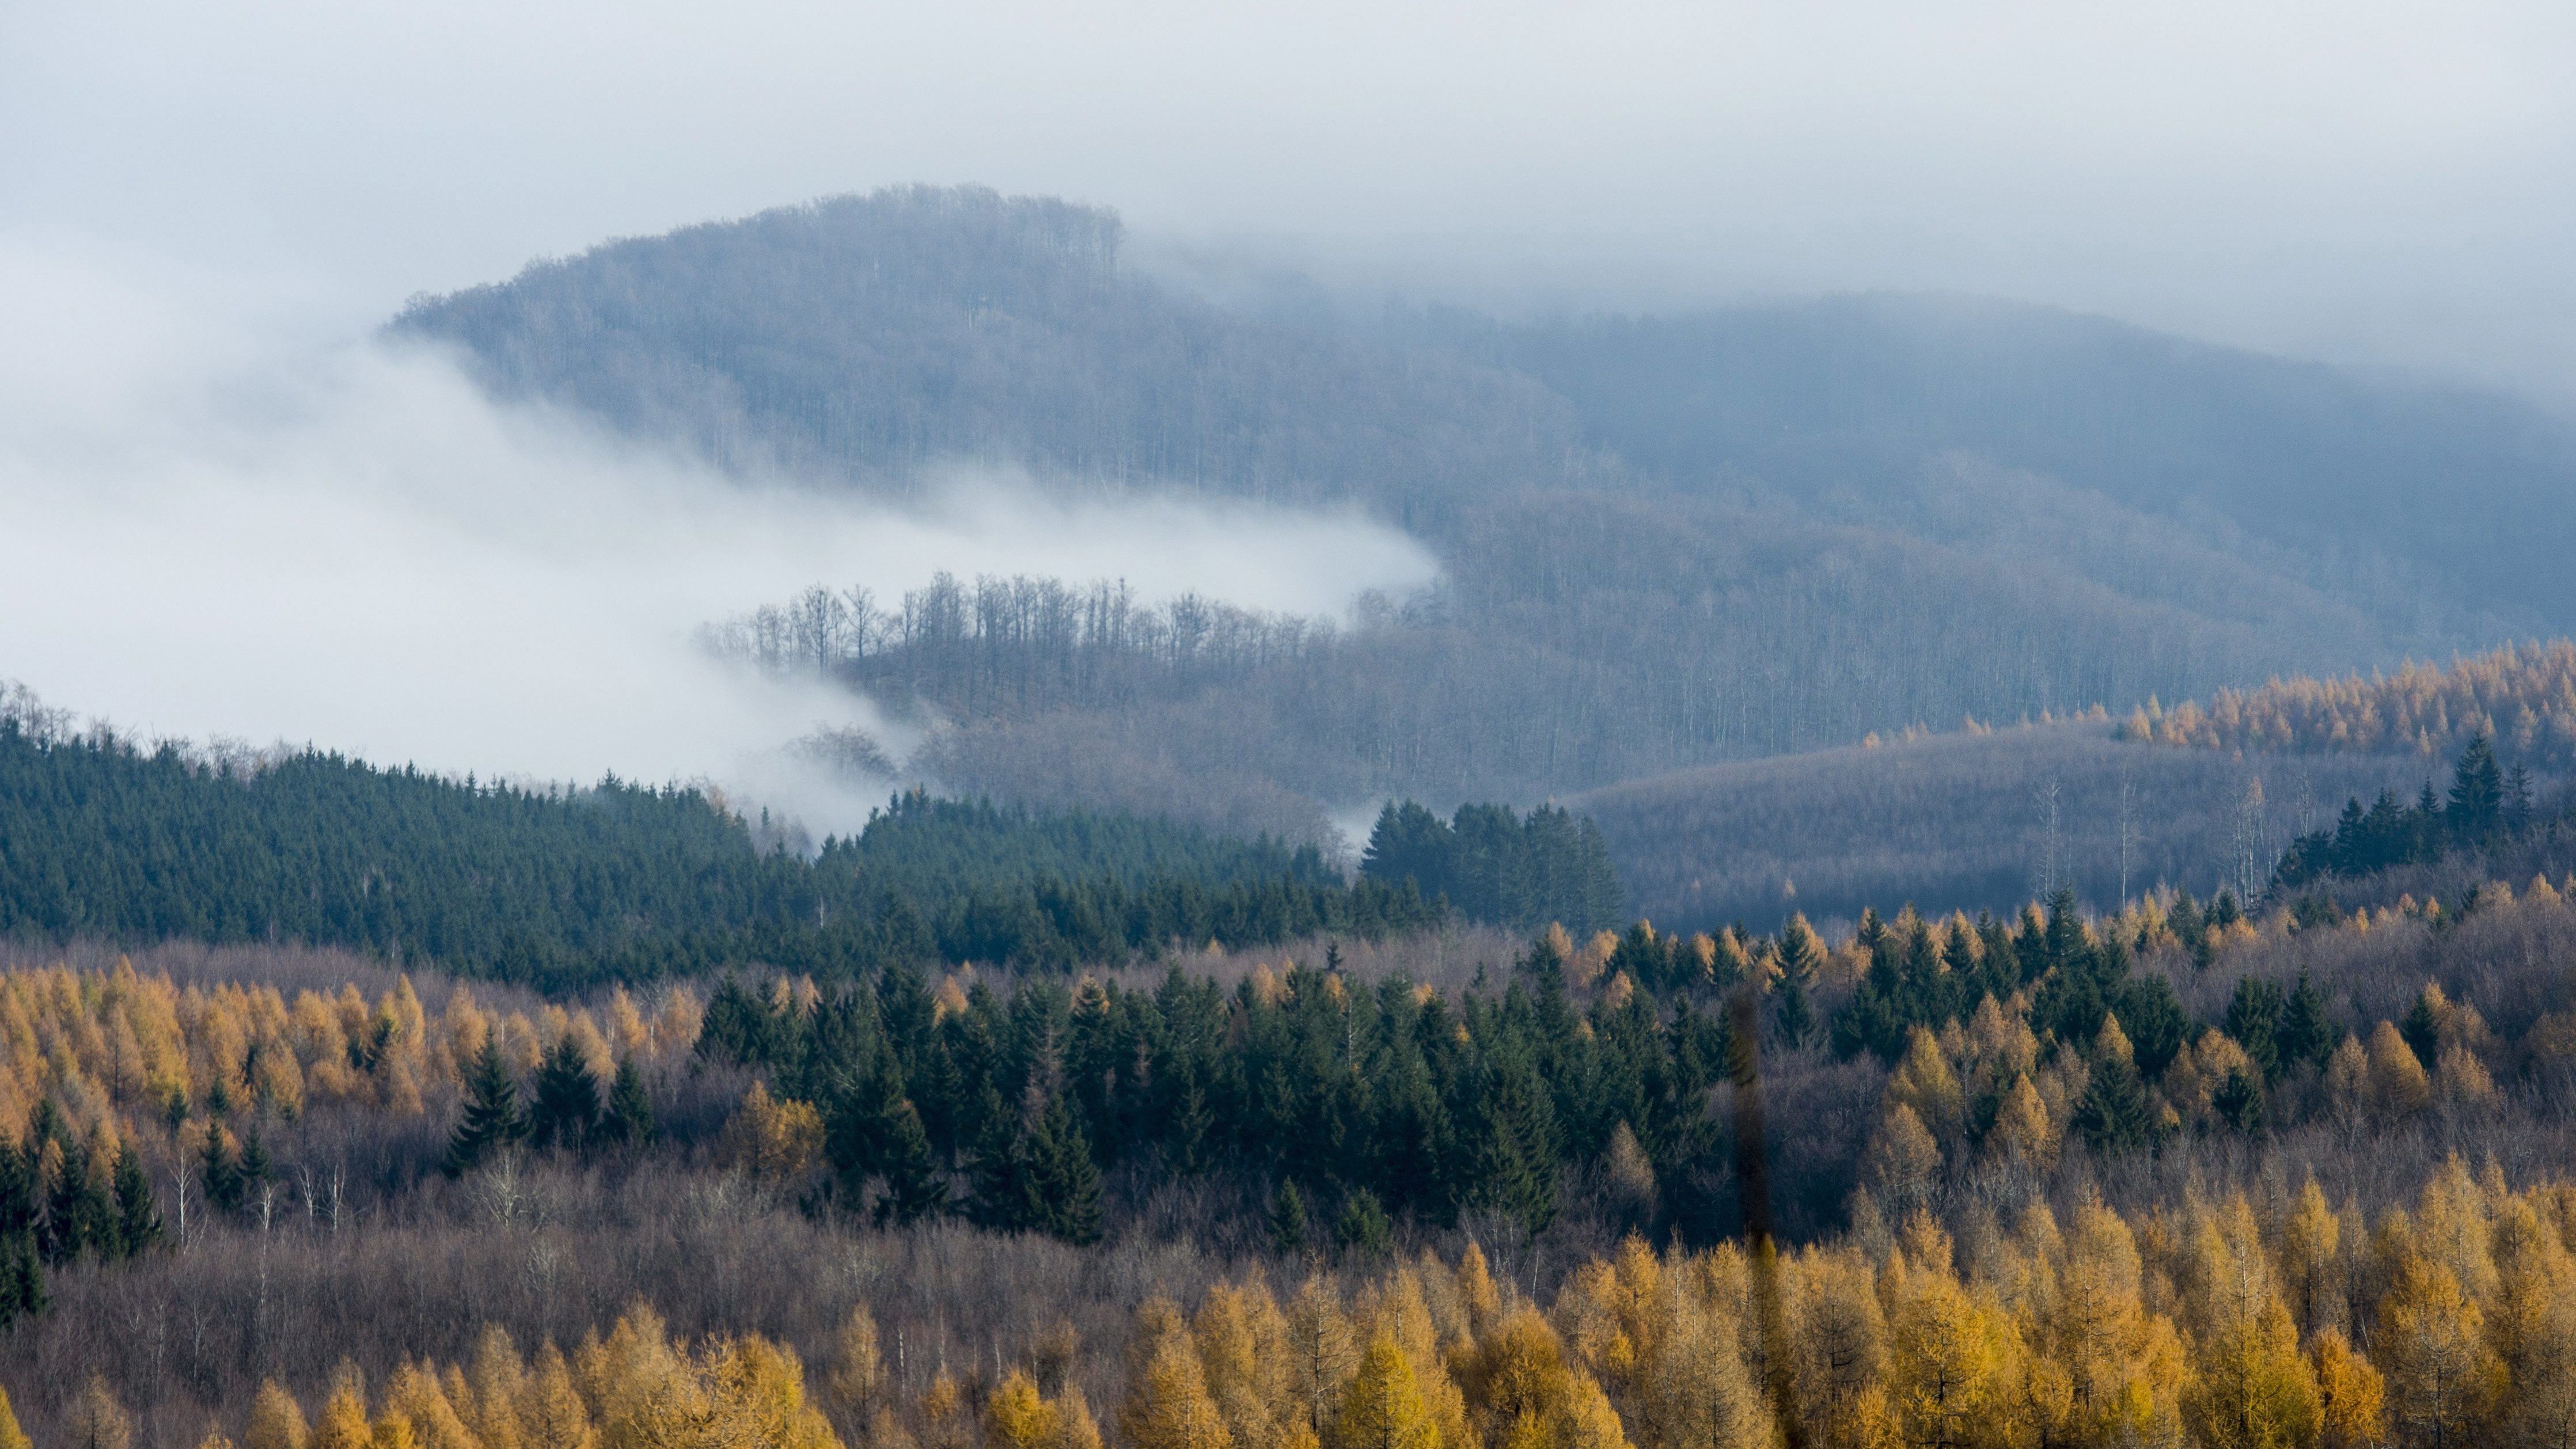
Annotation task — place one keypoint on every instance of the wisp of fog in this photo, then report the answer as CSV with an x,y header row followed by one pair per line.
x,y
212,529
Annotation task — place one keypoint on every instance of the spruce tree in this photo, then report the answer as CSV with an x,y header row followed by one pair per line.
x,y
218,1173
1065,1178
2239,1100
22,1276
138,1215
2113,1115
2477,793
2422,1028
491,1120
256,1169
566,1110
1363,1226
630,1107
1288,1218
2305,1035
2254,1021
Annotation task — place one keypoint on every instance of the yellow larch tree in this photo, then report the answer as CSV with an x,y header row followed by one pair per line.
x,y
2351,1395
1949,1361
1323,1352
11,1436
276,1420
1383,1407
2251,1388
416,1393
1242,1342
344,1417
551,1413
857,1379
1168,1406
2443,1378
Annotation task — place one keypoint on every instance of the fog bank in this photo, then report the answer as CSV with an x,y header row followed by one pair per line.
x,y
216,527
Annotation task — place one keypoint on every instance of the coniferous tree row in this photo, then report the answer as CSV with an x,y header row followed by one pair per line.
x,y
1490,865
101,838
2485,803
1428,1104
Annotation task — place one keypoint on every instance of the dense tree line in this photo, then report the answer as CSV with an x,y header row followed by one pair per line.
x,y
2522,694
2485,806
2011,1171
1009,1106
1490,865
101,837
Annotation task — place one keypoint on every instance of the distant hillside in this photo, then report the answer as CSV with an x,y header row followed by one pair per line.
x,y
1666,543
2452,496
1960,822
870,336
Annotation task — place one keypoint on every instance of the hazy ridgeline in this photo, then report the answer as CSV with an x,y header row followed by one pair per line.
x,y
1664,543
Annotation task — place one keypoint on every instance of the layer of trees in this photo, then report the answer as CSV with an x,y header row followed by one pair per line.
x,y
101,837
2007,1087
2522,696
1527,872
2487,807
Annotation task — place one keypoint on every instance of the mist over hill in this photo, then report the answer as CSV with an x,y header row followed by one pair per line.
x,y
1665,542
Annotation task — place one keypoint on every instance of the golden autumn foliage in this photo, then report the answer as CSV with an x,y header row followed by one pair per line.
x,y
2522,696
637,1388
773,1140
116,1044
2282,1322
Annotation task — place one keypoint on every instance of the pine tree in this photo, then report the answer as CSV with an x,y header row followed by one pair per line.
x,y
491,1119
566,1110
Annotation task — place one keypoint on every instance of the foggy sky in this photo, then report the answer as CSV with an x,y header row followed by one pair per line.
x,y
2359,179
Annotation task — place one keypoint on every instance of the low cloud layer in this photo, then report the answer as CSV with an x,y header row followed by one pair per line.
x,y
2366,179
214,529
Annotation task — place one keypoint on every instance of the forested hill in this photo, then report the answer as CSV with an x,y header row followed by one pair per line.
x,y
868,336
1666,543
102,839
1840,402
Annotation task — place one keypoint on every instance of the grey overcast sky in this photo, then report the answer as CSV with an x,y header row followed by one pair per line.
x,y
2387,182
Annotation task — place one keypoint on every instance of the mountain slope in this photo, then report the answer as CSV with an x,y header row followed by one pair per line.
x,y
1666,543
